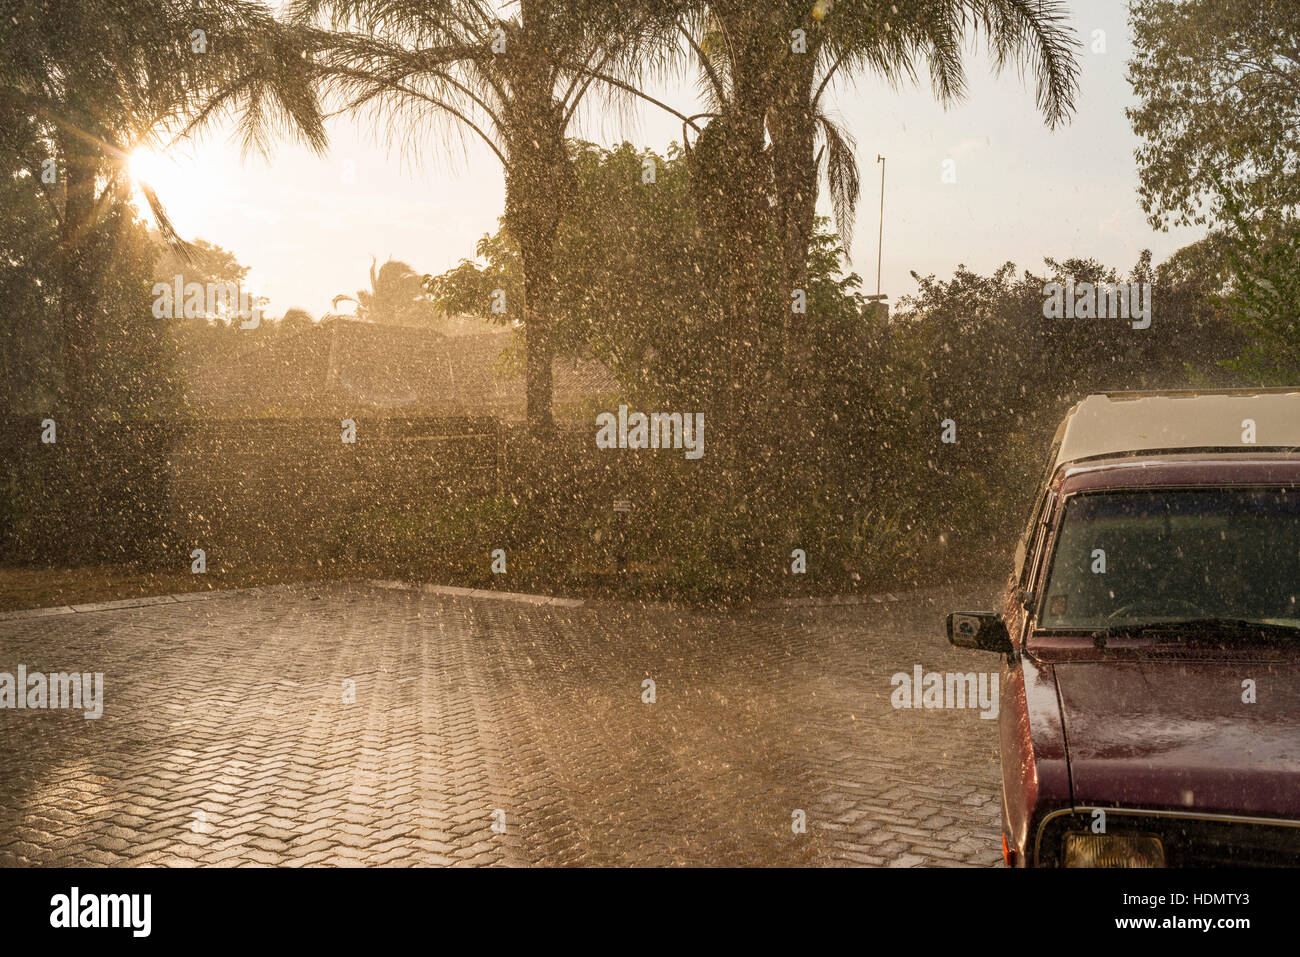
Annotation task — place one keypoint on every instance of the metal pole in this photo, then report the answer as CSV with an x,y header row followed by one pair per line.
x,y
880,241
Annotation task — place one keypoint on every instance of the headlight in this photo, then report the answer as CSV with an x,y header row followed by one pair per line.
x,y
1113,850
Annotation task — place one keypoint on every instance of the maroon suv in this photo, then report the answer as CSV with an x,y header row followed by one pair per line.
x,y
1150,629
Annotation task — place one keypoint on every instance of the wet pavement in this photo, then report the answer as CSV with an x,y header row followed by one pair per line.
x,y
359,724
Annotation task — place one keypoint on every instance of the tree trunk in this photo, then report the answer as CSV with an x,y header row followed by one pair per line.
x,y
729,179
539,349
77,294
540,186
793,131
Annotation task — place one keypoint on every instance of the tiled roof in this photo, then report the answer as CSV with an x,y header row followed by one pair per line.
x,y
357,365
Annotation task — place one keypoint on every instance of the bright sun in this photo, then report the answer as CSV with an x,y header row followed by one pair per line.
x,y
148,167
165,178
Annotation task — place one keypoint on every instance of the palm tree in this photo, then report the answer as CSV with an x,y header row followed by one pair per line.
x,y
86,82
889,44
515,83
396,292
761,87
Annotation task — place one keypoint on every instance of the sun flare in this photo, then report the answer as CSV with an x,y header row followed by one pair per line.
x,y
149,168
172,184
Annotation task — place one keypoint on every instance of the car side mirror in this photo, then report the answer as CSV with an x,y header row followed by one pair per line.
x,y
982,630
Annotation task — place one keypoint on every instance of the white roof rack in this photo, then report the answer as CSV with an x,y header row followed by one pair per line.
x,y
1120,423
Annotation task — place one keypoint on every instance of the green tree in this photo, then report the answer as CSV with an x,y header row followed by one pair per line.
x,y
199,261
995,364
628,290
29,289
1218,113
1264,267
1218,85
470,287
135,373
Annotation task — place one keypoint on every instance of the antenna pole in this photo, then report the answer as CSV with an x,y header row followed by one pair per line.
x,y
880,241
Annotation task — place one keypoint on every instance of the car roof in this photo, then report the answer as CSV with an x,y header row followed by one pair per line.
x,y
1125,423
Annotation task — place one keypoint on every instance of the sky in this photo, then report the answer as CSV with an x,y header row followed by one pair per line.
x,y
307,225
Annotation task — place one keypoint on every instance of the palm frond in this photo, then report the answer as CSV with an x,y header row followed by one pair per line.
x,y
1034,34
842,176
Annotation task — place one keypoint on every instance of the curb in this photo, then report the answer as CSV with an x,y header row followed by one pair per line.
x,y
456,592
150,600
450,591
147,600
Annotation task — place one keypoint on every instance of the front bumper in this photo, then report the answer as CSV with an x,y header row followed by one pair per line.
x,y
1190,839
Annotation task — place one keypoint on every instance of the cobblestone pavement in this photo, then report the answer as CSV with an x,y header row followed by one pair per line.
x,y
226,739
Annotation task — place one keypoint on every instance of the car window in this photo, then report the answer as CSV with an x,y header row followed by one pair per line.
x,y
1037,542
1026,542
1154,555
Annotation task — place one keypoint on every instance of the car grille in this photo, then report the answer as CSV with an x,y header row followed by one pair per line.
x,y
1188,842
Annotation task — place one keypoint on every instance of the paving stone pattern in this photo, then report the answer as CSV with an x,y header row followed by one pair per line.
x,y
226,738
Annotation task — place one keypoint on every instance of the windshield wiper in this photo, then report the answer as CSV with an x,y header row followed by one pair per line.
x,y
1201,630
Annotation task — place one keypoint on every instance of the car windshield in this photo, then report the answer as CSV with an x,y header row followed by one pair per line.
x,y
1213,559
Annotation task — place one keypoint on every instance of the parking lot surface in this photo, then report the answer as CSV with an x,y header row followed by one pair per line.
x,y
358,724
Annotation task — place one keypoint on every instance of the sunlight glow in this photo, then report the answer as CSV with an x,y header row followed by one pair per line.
x,y
172,181
148,167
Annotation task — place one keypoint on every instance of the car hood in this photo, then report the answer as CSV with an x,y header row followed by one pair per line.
x,y
1176,734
